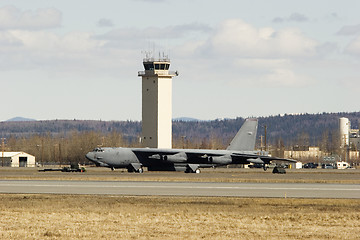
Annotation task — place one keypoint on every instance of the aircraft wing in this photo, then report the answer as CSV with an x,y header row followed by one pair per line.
x,y
203,155
254,158
175,155
190,152
147,152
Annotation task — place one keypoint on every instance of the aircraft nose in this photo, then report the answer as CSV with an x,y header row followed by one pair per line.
x,y
90,156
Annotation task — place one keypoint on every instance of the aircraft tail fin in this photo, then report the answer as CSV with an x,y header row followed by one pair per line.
x,y
245,138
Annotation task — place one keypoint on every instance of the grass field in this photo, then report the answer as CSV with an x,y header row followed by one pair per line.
x,y
118,217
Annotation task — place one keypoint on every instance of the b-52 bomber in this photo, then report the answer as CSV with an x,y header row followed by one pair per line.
x,y
239,151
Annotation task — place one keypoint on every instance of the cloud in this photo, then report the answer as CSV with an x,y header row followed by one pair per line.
x,y
284,77
334,16
278,20
260,55
294,17
13,18
150,1
104,22
269,53
298,17
237,38
270,73
8,40
327,48
189,48
139,38
349,30
21,49
176,31
354,47
259,63
48,42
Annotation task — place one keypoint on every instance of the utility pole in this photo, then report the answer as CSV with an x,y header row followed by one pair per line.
x,y
265,127
42,151
3,149
60,154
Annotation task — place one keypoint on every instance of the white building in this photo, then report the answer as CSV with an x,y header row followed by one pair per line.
x,y
305,153
344,127
17,159
157,103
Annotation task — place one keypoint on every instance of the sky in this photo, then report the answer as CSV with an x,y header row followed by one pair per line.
x,y
235,58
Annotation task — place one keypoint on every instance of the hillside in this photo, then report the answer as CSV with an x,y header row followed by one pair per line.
x,y
291,129
20,119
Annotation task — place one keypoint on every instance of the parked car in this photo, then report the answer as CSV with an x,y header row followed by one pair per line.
x,y
311,165
327,166
256,165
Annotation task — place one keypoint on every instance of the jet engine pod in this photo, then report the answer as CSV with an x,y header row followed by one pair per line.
x,y
179,157
220,160
256,160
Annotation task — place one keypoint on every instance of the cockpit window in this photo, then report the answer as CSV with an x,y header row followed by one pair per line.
x,y
98,150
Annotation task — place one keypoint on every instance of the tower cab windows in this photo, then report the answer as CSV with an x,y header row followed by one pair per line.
x,y
156,66
149,66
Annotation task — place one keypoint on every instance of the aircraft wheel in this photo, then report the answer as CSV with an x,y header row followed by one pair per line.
x,y
141,170
197,171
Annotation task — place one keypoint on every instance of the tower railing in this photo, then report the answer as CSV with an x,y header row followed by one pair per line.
x,y
159,73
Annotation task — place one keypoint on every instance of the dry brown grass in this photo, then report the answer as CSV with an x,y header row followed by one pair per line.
x,y
118,217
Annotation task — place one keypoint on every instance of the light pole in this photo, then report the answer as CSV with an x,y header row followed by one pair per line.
x,y
2,150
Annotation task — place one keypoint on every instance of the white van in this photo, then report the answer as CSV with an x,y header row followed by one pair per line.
x,y
342,165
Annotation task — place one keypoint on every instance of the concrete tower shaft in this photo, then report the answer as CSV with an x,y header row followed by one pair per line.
x,y
157,103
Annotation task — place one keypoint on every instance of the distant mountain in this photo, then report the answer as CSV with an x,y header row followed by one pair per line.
x,y
20,119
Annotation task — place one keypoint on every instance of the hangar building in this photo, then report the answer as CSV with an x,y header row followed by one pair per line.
x,y
17,159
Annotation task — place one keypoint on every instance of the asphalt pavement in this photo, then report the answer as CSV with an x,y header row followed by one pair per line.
x,y
210,189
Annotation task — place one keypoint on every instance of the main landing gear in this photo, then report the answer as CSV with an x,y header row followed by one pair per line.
x,y
134,167
192,168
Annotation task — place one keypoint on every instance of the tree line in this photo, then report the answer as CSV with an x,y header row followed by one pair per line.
x,y
72,147
67,141
285,127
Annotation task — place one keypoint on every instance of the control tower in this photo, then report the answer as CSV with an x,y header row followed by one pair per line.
x,y
157,102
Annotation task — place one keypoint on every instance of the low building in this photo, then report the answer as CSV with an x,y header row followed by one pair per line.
x,y
304,153
298,165
17,159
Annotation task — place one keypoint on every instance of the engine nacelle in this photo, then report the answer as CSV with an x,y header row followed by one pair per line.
x,y
224,160
256,160
176,158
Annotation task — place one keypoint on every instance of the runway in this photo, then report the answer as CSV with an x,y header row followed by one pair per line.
x,y
266,190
